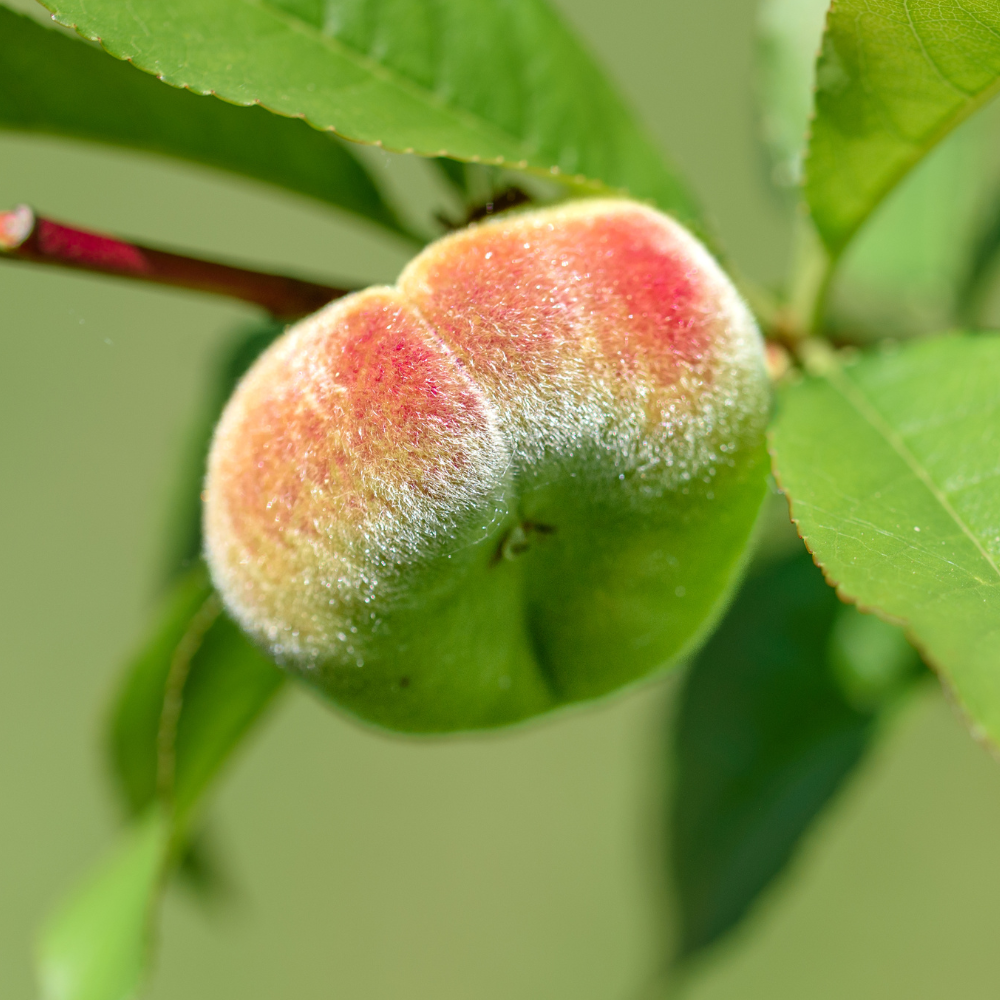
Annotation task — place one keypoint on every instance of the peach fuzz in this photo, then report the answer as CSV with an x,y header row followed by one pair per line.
x,y
521,477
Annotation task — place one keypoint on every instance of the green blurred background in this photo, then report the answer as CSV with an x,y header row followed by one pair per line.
x,y
520,865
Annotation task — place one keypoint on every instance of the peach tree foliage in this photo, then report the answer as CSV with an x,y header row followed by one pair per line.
x,y
564,573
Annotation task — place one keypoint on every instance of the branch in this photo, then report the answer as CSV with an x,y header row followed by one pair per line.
x,y
27,237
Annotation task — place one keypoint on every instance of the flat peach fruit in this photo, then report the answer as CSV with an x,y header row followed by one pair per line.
x,y
524,476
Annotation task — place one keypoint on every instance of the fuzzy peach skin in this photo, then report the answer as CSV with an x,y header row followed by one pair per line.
x,y
521,477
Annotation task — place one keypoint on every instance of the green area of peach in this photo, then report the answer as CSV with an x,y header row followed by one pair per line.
x,y
604,587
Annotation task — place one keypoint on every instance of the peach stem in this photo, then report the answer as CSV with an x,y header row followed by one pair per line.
x,y
27,237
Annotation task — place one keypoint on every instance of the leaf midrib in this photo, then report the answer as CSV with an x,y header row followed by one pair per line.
x,y
853,396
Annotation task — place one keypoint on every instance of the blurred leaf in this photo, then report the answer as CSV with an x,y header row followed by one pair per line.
x,y
96,945
893,79
903,272
202,869
871,658
455,172
981,267
467,79
764,737
188,699
891,468
135,722
199,867
229,684
788,41
55,84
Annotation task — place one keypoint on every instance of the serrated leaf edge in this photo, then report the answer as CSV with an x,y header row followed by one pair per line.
x,y
589,184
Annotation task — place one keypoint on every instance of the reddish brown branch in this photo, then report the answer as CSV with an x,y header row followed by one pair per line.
x,y
25,236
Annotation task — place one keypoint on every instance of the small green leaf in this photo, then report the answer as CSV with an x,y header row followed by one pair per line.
x,y
187,701
229,684
135,721
763,740
203,870
55,84
871,658
468,79
893,79
455,173
891,466
980,270
96,945
788,40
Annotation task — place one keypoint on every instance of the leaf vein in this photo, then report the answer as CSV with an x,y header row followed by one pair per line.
x,y
853,395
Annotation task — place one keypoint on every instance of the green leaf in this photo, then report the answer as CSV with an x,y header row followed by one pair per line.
x,y
135,722
187,701
473,80
96,945
765,736
229,685
55,84
903,273
891,467
872,660
788,40
893,79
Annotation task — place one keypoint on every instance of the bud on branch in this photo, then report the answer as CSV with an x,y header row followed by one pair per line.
x,y
28,237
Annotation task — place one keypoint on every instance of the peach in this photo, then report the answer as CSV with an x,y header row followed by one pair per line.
x,y
524,476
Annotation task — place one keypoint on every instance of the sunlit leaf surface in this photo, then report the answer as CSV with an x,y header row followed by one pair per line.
x,y
892,467
470,79
51,83
895,76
